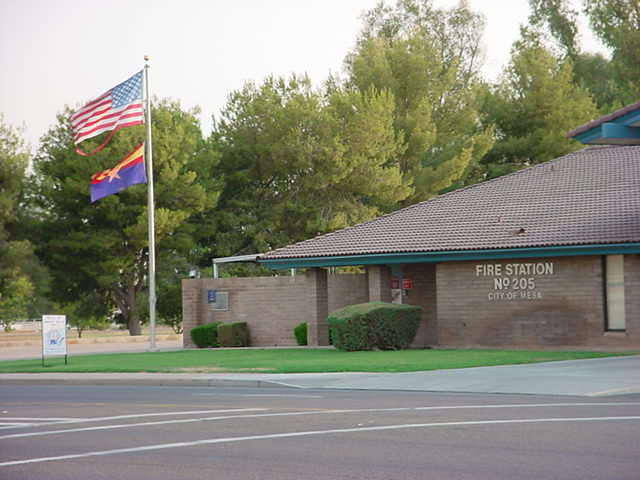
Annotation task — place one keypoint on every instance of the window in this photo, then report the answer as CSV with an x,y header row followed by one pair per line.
x,y
614,292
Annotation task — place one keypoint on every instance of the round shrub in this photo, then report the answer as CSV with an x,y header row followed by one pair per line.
x,y
386,326
235,334
205,336
300,332
350,333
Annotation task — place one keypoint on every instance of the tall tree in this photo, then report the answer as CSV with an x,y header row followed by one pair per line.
x,y
617,24
612,82
429,60
561,21
533,106
103,247
298,162
22,278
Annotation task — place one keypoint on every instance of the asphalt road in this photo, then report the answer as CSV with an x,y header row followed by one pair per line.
x,y
127,432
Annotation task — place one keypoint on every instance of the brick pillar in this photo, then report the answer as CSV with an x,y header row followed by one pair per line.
x,y
191,308
379,278
318,301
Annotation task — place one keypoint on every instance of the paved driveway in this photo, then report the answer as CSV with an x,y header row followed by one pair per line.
x,y
593,377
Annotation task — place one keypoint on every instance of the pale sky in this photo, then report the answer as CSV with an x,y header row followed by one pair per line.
x,y
57,52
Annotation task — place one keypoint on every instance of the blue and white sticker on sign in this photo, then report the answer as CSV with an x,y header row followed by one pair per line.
x,y
211,296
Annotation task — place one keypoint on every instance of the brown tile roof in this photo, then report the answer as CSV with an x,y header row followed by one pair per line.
x,y
606,118
587,197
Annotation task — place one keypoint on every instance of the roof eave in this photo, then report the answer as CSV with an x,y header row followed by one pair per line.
x,y
451,256
610,134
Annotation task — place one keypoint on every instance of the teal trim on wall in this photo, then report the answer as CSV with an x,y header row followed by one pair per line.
x,y
619,129
452,256
630,118
614,130
610,133
627,118
593,135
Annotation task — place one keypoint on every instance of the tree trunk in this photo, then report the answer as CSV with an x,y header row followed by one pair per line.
x,y
133,323
126,300
133,320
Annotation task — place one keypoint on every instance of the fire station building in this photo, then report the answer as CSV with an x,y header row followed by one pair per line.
x,y
548,256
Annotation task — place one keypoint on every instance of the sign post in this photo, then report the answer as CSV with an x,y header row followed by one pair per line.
x,y
54,336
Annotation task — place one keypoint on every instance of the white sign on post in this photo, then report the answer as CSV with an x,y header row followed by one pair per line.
x,y
54,335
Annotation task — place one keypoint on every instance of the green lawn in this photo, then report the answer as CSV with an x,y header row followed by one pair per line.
x,y
290,361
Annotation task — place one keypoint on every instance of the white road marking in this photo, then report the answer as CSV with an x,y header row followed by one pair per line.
x,y
141,415
525,405
161,422
162,414
289,414
23,422
40,419
286,395
311,433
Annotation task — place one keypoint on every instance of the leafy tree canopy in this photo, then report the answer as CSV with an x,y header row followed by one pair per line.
x,y
298,162
103,247
533,107
23,280
612,82
428,59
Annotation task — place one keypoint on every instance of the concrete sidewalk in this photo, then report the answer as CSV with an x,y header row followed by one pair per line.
x,y
593,377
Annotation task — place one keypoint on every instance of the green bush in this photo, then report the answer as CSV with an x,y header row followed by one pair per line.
x,y
350,333
205,335
234,334
300,333
386,326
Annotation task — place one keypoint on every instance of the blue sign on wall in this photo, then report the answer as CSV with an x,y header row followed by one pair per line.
x,y
211,296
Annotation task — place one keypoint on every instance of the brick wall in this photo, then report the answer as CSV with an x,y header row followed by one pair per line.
x,y
379,283
460,302
562,308
191,302
423,294
271,306
347,289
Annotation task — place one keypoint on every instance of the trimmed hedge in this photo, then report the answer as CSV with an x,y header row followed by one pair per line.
x,y
386,326
205,335
300,332
235,334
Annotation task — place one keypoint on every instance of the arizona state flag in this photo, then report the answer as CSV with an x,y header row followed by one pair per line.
x,y
130,171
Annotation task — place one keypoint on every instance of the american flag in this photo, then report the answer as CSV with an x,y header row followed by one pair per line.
x,y
117,108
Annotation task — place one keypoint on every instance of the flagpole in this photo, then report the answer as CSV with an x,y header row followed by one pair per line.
x,y
151,208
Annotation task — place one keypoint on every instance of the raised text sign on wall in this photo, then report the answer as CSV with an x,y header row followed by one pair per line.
x,y
514,281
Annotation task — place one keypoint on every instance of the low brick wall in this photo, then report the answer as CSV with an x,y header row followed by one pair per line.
x,y
423,294
271,306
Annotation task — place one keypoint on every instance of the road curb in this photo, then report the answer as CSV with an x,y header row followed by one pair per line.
x,y
157,381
